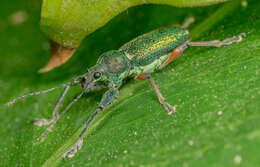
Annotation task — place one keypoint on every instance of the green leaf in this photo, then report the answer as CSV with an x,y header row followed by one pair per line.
x,y
68,22
217,91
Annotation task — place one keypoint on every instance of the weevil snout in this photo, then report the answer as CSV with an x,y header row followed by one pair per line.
x,y
87,83
92,78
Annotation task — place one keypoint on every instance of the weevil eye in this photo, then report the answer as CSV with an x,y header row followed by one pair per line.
x,y
83,79
97,75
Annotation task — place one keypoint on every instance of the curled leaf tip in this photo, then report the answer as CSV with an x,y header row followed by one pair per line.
x,y
59,55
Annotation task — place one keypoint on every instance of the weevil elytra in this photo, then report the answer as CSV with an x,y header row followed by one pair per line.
x,y
138,59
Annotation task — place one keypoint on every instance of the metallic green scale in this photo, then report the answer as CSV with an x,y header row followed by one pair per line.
x,y
149,51
145,49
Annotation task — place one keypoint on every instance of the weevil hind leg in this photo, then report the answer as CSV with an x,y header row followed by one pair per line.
x,y
215,43
169,108
43,121
218,43
174,54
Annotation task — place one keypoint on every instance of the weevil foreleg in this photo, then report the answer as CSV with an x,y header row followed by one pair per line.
x,y
43,121
169,108
57,117
108,98
218,43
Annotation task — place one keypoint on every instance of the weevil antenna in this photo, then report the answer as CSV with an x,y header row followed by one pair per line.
x,y
73,82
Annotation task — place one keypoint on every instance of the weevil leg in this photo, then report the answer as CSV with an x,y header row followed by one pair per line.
x,y
57,117
169,108
108,98
174,54
43,121
187,22
218,43
79,143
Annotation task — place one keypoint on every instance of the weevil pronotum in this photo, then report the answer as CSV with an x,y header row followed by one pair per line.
x,y
137,58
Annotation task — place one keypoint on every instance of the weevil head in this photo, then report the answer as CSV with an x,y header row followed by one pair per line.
x,y
112,67
95,76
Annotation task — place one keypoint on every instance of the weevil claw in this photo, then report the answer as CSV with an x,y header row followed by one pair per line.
x,y
169,108
42,122
74,149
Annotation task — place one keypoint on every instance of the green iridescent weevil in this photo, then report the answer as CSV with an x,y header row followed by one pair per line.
x,y
138,59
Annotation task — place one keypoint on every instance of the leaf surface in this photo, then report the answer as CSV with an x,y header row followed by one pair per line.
x,y
217,91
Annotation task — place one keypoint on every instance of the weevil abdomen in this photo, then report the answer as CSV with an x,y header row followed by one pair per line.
x,y
146,49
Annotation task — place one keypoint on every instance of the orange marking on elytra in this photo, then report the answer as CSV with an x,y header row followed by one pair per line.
x,y
175,53
142,76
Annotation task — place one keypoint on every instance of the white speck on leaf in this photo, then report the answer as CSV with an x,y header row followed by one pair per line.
x,y
220,113
185,164
132,162
244,4
237,159
18,17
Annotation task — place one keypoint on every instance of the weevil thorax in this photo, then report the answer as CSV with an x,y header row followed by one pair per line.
x,y
112,67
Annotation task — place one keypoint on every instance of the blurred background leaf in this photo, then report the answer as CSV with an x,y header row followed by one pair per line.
x,y
68,22
217,91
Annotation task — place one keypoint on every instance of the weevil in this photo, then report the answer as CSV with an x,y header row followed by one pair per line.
x,y
137,59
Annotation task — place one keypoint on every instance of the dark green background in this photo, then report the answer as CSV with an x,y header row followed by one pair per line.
x,y
136,131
